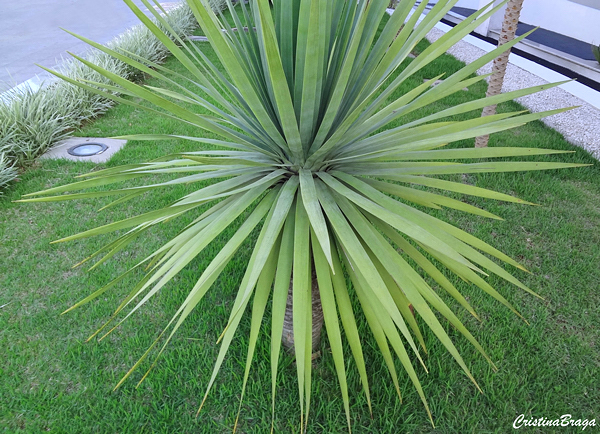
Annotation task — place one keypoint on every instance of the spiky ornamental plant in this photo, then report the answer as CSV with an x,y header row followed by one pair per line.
x,y
596,52
298,112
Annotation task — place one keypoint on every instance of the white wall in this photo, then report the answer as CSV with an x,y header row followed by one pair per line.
x,y
560,16
478,4
564,17
471,4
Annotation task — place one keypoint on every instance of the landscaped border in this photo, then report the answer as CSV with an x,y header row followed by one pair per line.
x,y
32,121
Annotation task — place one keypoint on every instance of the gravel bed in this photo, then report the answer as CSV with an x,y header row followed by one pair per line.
x,y
580,126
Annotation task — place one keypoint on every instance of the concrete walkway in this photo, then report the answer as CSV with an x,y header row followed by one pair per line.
x,y
30,32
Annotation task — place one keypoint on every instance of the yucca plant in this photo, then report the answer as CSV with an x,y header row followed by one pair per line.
x,y
301,114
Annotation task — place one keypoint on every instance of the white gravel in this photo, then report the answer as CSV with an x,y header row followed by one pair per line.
x,y
580,126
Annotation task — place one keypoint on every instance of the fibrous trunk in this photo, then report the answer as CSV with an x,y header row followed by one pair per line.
x,y
317,319
509,30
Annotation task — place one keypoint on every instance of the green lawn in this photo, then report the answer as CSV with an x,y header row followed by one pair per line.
x,y
51,379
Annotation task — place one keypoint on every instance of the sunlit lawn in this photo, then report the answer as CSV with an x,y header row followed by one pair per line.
x,y
51,379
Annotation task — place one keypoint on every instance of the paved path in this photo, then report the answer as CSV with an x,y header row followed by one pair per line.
x,y
30,32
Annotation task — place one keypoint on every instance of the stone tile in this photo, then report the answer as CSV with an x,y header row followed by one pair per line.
x,y
60,151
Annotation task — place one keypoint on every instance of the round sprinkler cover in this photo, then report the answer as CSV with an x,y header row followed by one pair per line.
x,y
87,149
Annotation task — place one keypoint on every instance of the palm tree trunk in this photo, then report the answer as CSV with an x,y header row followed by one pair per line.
x,y
509,29
317,319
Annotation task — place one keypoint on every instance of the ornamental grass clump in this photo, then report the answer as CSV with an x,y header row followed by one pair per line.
x,y
297,128
8,171
33,121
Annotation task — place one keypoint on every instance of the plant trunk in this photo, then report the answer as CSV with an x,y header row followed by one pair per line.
x,y
509,29
287,338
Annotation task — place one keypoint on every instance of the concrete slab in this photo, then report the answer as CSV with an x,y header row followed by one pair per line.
x,y
60,151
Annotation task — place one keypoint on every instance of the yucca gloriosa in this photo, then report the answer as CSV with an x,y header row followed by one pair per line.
x,y
301,113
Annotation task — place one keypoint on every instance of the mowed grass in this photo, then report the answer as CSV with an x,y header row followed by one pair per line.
x,y
52,379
